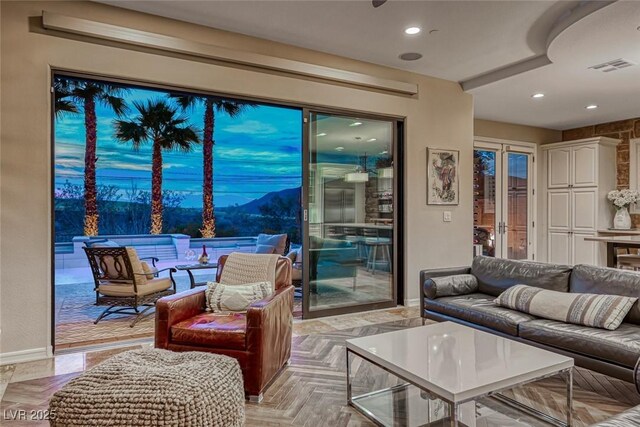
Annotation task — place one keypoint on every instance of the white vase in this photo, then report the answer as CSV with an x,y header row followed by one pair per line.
x,y
622,220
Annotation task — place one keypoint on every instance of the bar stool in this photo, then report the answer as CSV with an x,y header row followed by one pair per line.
x,y
334,232
373,241
629,262
351,235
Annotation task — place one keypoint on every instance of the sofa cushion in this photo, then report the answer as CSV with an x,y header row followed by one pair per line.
x,y
611,281
212,330
598,311
480,309
621,346
495,275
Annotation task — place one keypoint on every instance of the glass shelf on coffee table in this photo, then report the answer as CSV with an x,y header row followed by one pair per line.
x,y
448,374
196,266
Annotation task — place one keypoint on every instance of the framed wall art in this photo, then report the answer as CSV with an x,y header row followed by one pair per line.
x,y
442,177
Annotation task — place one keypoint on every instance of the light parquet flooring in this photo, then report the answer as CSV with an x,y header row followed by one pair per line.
x,y
311,391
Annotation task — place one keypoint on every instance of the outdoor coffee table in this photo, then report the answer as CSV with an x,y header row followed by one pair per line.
x,y
190,267
451,363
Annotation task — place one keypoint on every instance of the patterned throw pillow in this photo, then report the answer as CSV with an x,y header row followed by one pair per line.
x,y
598,311
222,298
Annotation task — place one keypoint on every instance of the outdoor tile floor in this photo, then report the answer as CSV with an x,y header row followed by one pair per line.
x,y
75,308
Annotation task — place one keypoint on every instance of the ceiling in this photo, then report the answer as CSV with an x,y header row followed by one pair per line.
x,y
371,137
460,41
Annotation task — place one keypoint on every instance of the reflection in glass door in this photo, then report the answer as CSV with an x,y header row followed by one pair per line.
x,y
502,201
350,215
517,205
485,211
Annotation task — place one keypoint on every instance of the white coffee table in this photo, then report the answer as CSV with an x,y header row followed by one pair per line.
x,y
455,364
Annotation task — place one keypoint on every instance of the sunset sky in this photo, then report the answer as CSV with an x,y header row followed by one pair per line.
x,y
257,152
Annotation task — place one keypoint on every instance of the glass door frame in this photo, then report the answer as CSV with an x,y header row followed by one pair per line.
x,y
503,148
398,137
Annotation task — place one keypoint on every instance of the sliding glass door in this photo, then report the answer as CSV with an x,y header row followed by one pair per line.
x,y
503,201
350,196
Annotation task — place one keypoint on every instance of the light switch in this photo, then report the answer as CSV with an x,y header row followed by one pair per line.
x,y
446,216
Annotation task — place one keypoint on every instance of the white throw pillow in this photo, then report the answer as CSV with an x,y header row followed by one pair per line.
x,y
222,298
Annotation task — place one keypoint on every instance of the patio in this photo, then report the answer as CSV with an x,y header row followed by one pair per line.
x,y
75,309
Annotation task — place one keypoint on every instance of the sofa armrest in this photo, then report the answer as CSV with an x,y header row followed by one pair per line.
x,y
426,285
176,308
636,375
269,333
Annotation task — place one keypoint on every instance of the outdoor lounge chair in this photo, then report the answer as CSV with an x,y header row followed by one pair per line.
x,y
124,284
106,243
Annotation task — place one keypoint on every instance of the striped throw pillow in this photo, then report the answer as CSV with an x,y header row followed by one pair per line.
x,y
598,311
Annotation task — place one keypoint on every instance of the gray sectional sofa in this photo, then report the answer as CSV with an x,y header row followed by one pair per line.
x,y
613,353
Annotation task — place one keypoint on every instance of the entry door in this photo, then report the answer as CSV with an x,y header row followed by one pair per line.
x,y
517,195
503,201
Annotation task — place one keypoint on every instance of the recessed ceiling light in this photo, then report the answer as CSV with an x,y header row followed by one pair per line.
x,y
371,139
538,95
322,134
410,56
355,124
412,30
591,107
339,148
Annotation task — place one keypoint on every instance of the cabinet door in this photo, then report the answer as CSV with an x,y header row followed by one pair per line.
x,y
584,166
559,250
559,210
584,209
558,167
584,252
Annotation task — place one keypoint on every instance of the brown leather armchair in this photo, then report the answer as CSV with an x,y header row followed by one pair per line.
x,y
260,339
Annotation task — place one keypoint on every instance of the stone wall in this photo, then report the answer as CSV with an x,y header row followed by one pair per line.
x,y
624,130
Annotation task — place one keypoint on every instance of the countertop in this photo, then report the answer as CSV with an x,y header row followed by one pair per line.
x,y
614,239
632,231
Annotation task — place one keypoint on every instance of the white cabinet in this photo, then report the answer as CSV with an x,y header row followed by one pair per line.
x,y
570,167
584,252
559,160
559,251
578,176
584,209
559,212
584,167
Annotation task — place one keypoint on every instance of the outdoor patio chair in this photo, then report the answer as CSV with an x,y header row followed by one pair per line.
x,y
106,243
124,284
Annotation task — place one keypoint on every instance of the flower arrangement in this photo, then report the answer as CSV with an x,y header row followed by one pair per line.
x,y
623,198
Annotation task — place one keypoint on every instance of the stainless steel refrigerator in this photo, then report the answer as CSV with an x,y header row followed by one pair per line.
x,y
339,201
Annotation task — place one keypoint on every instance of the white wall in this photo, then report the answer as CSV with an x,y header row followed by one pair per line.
x,y
440,116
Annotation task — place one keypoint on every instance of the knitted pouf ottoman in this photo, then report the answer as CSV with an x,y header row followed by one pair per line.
x,y
154,388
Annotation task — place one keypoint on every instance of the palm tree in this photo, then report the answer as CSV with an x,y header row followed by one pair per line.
x,y
69,95
158,123
63,103
212,105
